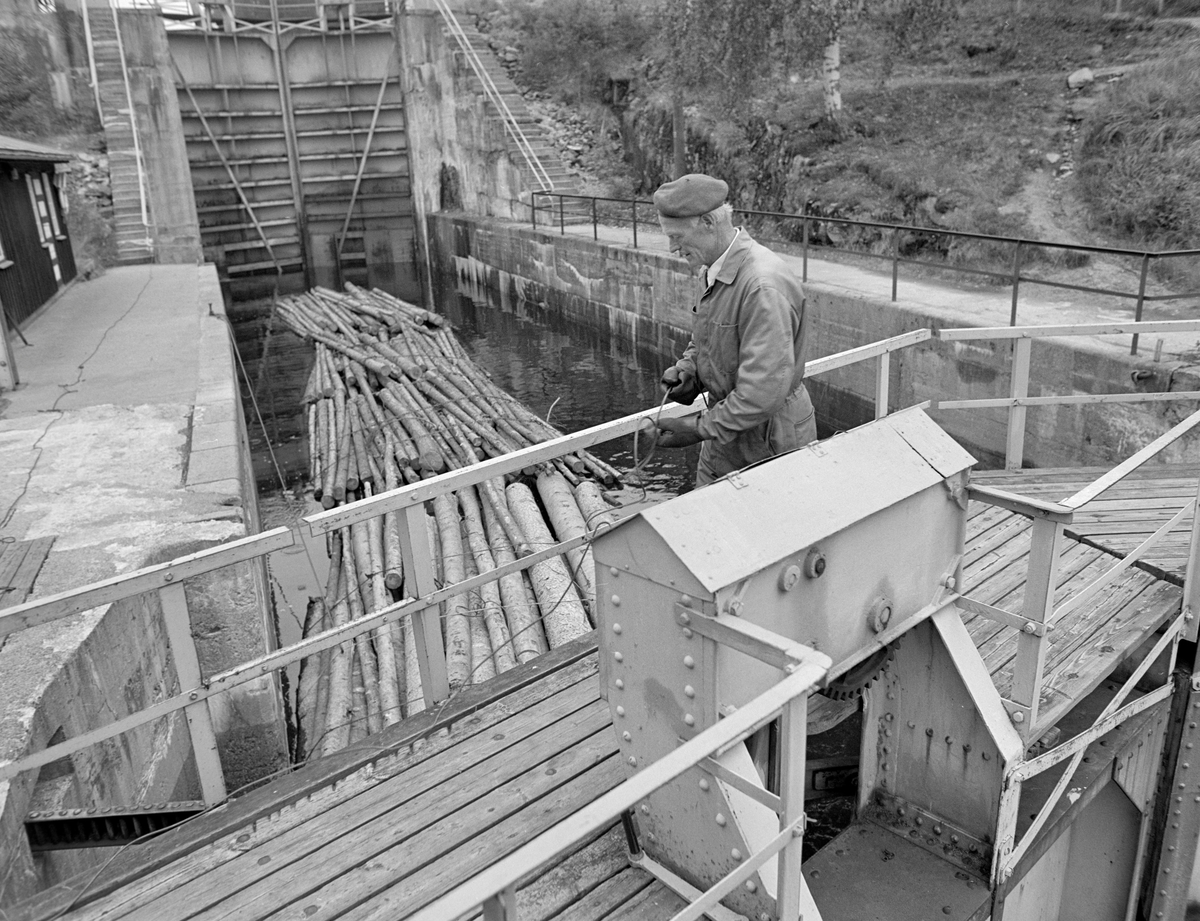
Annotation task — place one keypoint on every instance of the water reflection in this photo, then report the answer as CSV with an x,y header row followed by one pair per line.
x,y
569,373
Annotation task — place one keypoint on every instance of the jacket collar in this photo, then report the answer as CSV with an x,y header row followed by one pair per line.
x,y
735,257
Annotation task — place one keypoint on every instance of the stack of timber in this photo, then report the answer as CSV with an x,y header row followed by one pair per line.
x,y
393,399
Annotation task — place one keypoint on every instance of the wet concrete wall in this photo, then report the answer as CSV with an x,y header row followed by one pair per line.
x,y
646,297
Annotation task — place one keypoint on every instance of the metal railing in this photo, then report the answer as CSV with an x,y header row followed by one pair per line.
x,y
421,609
618,208
540,175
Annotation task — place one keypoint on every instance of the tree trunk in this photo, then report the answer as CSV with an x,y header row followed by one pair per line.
x,y
831,72
678,137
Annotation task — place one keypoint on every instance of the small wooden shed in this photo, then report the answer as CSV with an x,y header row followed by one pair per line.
x,y
36,259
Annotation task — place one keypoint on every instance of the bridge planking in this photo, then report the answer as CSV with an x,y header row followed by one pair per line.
x,y
404,816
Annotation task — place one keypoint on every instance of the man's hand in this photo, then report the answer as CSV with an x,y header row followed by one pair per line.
x,y
670,433
681,385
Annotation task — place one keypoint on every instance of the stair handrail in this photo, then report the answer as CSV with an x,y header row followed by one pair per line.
x,y
493,94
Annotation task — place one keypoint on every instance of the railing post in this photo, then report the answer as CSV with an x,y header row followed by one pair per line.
x,y
804,248
562,217
882,368
533,208
1191,585
1040,583
426,625
1018,389
793,737
501,907
187,668
635,223
1137,315
1016,283
895,261
595,225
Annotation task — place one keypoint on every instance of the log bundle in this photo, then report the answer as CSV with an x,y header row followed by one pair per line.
x,y
393,398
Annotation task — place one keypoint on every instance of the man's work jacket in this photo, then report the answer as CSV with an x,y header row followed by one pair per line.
x,y
747,352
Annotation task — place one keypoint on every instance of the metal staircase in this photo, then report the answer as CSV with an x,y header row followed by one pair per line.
x,y
528,142
130,216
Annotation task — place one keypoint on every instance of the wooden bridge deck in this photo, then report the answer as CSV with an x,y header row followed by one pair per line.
x,y
381,829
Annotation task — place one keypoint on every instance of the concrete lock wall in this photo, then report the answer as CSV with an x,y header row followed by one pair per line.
x,y
64,678
457,150
645,297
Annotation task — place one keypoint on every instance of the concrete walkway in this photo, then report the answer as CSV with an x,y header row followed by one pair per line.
x,y
1038,305
120,440
123,443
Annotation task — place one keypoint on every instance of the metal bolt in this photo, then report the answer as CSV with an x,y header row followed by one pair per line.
x,y
645,808
620,683
689,662
1018,717
929,732
689,720
620,711
889,717
883,767
616,601
937,829
685,600
721,819
751,886
617,629
619,656
168,577
891,695
613,571
919,820
735,607
1029,628
193,695
633,760
627,736
954,839
735,854
687,633
912,725
689,691
685,619
704,784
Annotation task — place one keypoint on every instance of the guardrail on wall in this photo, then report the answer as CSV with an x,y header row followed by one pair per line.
x,y
624,212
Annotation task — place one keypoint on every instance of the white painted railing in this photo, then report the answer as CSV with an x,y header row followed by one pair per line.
x,y
167,579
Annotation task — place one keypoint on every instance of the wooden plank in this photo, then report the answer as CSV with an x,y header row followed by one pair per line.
x,y
350,865
609,896
289,800
654,903
575,878
187,881
1076,675
387,813
21,581
492,828
11,556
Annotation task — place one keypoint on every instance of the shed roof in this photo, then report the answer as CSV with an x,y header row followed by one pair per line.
x,y
16,149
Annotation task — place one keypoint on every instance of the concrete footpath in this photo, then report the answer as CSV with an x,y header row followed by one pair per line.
x,y
124,443
985,305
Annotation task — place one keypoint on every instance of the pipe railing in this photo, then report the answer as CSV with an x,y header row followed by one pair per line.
x,y
167,579
494,888
1019,246
540,175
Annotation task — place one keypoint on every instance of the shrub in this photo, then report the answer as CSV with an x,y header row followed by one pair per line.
x,y
1139,165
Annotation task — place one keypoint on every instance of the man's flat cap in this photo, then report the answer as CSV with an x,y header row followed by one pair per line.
x,y
690,195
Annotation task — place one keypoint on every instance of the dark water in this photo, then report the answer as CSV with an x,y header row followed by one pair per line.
x,y
568,373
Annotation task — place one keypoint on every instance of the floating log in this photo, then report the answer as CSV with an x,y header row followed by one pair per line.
x,y
562,612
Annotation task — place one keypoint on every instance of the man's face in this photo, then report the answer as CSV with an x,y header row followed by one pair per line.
x,y
693,238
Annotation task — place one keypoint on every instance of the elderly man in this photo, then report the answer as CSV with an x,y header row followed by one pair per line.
x,y
747,343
